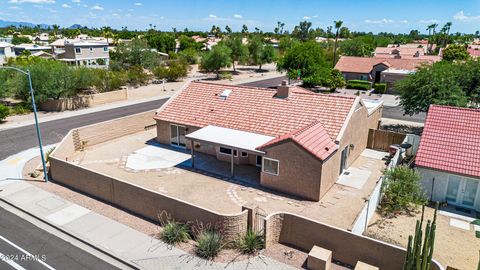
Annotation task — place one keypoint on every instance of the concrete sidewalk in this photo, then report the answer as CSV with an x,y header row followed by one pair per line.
x,y
122,242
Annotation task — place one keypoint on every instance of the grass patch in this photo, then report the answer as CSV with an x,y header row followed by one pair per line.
x,y
209,244
250,243
174,232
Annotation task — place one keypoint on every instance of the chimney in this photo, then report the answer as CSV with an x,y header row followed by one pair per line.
x,y
283,90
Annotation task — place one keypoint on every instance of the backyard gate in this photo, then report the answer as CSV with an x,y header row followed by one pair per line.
x,y
259,221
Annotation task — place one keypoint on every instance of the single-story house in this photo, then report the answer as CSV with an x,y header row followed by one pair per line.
x,y
301,141
376,69
32,48
448,157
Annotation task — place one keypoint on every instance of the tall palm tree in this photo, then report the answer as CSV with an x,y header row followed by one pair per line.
x,y
338,24
55,30
107,33
446,29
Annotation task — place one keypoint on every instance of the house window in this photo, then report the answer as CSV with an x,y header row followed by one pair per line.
x,y
270,166
227,151
244,154
91,49
105,49
363,77
77,50
177,135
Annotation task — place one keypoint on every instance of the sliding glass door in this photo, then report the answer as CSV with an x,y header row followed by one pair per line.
x,y
177,135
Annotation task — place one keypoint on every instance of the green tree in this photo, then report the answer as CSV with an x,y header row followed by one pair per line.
x,y
334,80
175,70
338,25
285,43
135,53
19,40
438,84
186,42
239,51
354,47
402,190
302,30
255,48
217,58
163,42
267,55
306,60
455,52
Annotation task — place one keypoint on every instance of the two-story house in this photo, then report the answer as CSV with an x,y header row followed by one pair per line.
x,y
6,51
85,53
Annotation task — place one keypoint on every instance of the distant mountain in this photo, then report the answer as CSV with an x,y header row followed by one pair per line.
x,y
75,26
18,24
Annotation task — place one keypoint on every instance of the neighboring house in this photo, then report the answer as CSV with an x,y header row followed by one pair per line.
x,y
7,39
58,46
448,157
42,39
43,54
85,53
6,51
397,52
474,51
302,141
32,48
375,69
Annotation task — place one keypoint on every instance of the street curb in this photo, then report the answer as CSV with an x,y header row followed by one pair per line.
x,y
78,238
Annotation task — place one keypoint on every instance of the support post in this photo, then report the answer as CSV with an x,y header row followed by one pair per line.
x,y
192,151
232,165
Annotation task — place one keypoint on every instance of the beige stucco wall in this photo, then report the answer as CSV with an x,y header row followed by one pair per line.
x,y
346,247
299,171
79,102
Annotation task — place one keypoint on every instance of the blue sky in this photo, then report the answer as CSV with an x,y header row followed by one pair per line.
x,y
366,15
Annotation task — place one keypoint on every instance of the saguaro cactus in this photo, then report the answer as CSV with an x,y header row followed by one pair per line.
x,y
419,256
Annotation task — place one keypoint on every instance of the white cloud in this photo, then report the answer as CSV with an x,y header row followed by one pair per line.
x,y
66,6
403,21
307,17
137,4
382,21
237,16
212,16
32,1
460,16
97,7
76,1
429,21
14,7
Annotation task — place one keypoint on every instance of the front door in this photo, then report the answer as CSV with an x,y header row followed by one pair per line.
x,y
462,191
177,135
259,161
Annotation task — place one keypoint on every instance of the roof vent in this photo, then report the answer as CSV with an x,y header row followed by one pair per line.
x,y
225,94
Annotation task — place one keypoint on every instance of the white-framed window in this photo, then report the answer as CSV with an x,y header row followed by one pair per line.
x,y
227,151
244,154
270,166
78,50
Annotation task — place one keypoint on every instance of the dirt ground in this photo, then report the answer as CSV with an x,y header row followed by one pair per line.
x,y
207,191
454,247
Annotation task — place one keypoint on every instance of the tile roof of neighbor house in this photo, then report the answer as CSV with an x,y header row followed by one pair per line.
x,y
258,110
451,141
407,51
474,52
365,64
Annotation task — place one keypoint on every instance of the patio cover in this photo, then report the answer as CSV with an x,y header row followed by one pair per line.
x,y
230,138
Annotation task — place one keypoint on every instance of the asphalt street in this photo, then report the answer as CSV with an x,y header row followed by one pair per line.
x,y
267,83
397,113
25,246
15,140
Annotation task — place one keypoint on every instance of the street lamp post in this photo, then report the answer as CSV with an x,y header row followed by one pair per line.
x,y
39,136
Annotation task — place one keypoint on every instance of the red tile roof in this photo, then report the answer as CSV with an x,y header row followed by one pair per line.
x,y
314,138
365,64
407,51
451,141
258,110
474,52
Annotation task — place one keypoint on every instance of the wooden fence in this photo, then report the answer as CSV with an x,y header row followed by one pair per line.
x,y
381,139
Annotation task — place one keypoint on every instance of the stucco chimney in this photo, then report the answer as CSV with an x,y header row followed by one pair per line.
x,y
283,90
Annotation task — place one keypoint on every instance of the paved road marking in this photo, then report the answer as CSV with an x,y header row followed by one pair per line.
x,y
25,252
11,262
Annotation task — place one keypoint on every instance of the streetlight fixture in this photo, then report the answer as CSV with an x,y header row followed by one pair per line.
x,y
45,173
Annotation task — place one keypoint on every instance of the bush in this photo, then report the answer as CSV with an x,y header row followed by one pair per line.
x,y
360,82
380,88
110,80
225,76
209,244
250,243
402,190
4,112
22,108
358,86
176,69
136,76
175,232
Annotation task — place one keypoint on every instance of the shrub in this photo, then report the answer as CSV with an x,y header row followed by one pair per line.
x,y
250,243
402,190
22,108
48,153
110,80
225,76
175,232
176,69
360,82
380,88
136,76
358,86
4,112
209,244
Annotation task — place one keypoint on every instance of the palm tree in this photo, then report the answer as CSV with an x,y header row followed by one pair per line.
x,y
107,33
446,29
338,24
55,30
